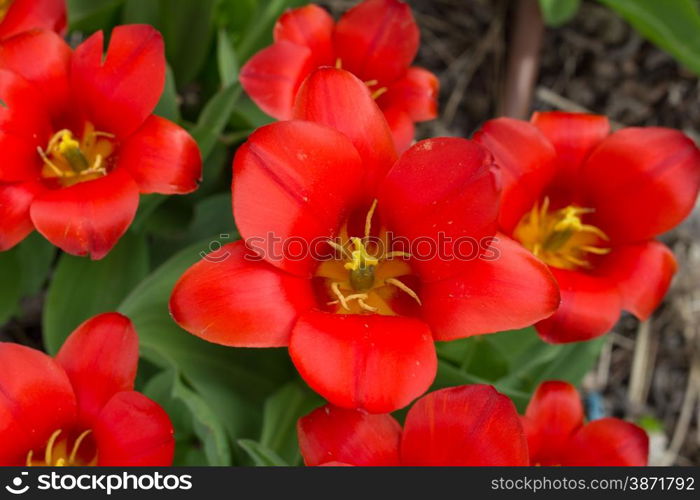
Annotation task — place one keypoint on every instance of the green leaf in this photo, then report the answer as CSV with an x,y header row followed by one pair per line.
x,y
673,25
169,106
261,455
35,255
188,30
11,289
82,288
93,15
226,57
233,383
514,362
141,12
558,12
282,410
214,117
259,32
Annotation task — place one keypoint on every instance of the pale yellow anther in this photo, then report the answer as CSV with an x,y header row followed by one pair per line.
x,y
76,446
49,447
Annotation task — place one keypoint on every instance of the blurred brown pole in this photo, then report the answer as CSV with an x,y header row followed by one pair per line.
x,y
523,60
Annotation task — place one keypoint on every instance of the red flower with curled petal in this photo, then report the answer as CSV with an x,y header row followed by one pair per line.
x,y
78,140
589,204
359,315
471,425
556,433
80,408
17,16
376,41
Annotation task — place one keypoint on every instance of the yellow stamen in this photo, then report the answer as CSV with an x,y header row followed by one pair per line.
x,y
49,446
77,444
4,7
378,93
368,219
371,83
338,63
560,237
404,288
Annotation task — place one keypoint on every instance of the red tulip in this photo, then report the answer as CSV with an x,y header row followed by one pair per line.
x,y
589,204
78,140
81,408
376,40
359,320
470,425
17,16
556,434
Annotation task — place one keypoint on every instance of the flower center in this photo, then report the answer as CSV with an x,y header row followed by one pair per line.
x,y
62,450
365,279
4,7
70,160
559,237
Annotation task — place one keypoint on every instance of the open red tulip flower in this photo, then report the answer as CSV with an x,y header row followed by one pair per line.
x,y
78,140
470,425
376,40
557,435
589,204
80,408
316,199
17,16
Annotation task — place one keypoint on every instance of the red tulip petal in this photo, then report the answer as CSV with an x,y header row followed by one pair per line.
x,y
100,358
372,362
377,40
416,93
330,434
440,190
608,442
272,77
120,90
36,399
42,58
643,273
574,136
89,217
162,158
310,26
325,98
402,128
590,307
232,298
19,159
133,431
506,290
308,176
470,425
526,163
22,110
15,223
25,15
555,412
642,182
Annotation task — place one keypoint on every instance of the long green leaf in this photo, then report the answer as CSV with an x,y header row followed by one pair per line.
x,y
214,117
82,288
673,25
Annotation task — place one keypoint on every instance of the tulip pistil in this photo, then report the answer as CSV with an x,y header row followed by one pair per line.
x,y
60,451
363,279
70,160
560,237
